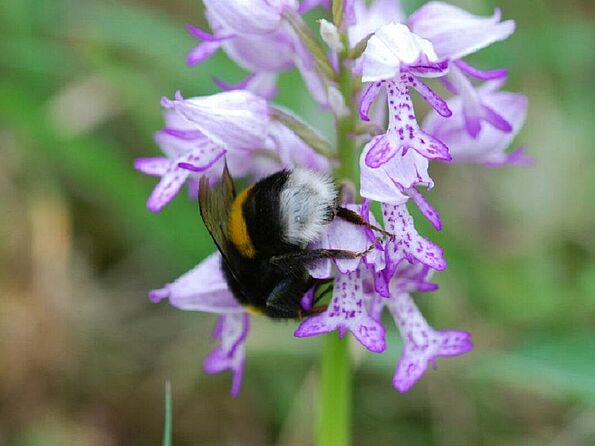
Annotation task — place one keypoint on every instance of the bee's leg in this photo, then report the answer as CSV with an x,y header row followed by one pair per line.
x,y
296,260
285,298
318,309
356,219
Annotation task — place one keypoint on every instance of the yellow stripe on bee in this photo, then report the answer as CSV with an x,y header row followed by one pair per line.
x,y
254,310
238,232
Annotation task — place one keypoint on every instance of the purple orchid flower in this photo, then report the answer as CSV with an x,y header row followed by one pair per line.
x,y
455,33
421,343
398,160
201,132
399,266
231,330
407,244
347,309
265,56
250,16
198,133
234,119
394,49
410,260
489,145
264,53
204,289
182,144
266,37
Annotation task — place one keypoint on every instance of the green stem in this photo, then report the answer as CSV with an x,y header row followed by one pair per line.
x,y
334,428
334,422
347,169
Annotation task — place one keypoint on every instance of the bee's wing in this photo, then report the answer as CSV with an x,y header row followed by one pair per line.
x,y
215,203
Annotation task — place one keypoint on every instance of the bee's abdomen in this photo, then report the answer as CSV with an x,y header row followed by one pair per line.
x,y
261,214
238,228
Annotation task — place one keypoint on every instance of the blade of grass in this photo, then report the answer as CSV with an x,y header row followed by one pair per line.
x,y
168,422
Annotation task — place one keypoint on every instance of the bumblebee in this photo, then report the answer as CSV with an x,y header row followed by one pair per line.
x,y
263,235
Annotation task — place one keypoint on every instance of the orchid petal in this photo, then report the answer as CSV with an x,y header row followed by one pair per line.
x,y
380,152
199,159
428,69
293,151
369,20
407,243
422,344
178,136
347,236
456,33
157,166
403,124
167,188
234,119
321,269
231,330
267,53
482,75
491,142
381,285
368,99
249,16
203,288
425,208
375,184
496,119
472,110
225,86
200,34
340,235
430,96
263,84
307,5
307,301
390,47
410,278
386,183
310,75
201,52
376,306
517,157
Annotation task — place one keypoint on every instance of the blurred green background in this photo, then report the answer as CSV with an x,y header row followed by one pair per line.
x,y
84,355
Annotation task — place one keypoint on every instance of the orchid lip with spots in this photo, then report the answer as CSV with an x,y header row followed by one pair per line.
x,y
376,63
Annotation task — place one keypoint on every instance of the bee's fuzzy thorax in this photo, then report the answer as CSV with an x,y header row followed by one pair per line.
x,y
307,204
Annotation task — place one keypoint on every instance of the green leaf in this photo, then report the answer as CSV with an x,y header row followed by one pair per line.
x,y
168,421
338,9
359,48
323,66
304,131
